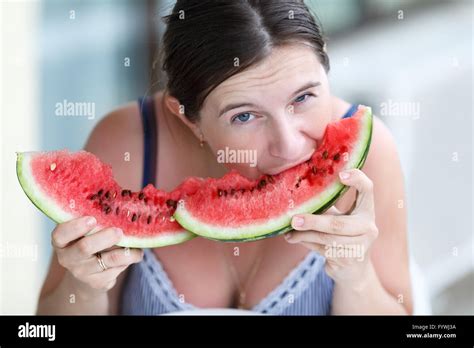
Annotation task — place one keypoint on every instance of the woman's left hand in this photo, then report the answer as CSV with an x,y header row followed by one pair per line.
x,y
343,239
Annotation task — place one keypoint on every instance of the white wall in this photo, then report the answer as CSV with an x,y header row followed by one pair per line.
x,y
424,58
19,224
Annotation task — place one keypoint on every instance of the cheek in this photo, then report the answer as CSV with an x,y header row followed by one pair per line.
x,y
316,122
241,152
224,137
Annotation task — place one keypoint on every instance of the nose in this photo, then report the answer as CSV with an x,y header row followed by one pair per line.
x,y
287,141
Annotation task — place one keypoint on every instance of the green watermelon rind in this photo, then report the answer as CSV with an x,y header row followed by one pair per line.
x,y
41,200
282,224
34,192
319,211
164,239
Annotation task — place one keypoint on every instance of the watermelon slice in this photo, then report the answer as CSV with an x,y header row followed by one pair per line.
x,y
67,185
234,208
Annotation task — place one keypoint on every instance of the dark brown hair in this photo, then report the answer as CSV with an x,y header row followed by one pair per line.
x,y
204,39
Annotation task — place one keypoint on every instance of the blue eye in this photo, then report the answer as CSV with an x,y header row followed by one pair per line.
x,y
242,118
302,98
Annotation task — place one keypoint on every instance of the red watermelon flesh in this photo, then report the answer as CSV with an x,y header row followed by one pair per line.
x,y
234,208
66,185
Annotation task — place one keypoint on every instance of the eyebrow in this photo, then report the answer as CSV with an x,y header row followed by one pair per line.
x,y
239,105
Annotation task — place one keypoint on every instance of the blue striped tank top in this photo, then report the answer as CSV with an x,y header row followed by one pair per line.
x,y
147,290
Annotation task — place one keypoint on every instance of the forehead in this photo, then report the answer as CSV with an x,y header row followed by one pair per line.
x,y
282,72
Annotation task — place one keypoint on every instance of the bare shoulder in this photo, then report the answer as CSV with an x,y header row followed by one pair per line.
x,y
383,153
116,136
389,252
117,139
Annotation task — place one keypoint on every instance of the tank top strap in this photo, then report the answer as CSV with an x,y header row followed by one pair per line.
x,y
352,110
150,146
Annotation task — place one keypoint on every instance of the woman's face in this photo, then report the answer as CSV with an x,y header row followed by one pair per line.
x,y
271,116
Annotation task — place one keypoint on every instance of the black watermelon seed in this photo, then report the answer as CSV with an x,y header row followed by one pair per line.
x,y
134,217
271,180
93,197
297,185
117,210
107,209
148,220
100,192
325,154
107,195
262,183
336,157
141,195
225,193
220,192
171,203
232,191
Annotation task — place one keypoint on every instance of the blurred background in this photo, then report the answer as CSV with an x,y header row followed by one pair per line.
x,y
410,60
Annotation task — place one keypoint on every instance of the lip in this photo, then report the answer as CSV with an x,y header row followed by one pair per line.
x,y
288,166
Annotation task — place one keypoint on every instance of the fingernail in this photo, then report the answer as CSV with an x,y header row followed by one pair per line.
x,y
91,221
288,235
344,175
297,221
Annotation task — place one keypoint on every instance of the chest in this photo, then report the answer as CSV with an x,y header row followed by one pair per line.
x,y
197,268
209,276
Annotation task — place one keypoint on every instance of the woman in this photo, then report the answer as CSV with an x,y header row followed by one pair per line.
x,y
248,75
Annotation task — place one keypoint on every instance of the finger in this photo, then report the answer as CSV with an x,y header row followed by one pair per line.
x,y
69,231
333,211
111,284
105,278
335,252
336,224
354,204
112,248
319,237
319,248
91,244
116,258
358,179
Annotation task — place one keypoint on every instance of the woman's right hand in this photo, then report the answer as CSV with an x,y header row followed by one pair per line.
x,y
77,253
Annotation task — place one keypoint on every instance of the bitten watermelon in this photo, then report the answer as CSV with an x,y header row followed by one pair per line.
x,y
66,185
234,208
